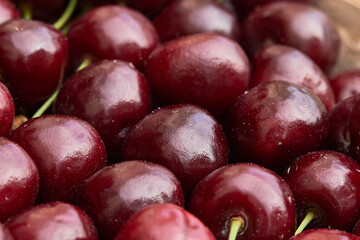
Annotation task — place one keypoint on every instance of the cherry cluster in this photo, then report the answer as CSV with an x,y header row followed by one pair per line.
x,y
176,119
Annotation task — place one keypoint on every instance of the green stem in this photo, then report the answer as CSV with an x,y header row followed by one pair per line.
x,y
310,215
52,98
66,15
26,9
236,224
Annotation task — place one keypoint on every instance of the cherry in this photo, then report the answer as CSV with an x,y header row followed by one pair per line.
x,y
346,85
279,62
255,198
112,32
66,151
55,220
283,22
111,95
116,192
8,11
19,179
4,233
186,17
327,185
33,56
184,138
276,122
164,222
354,129
7,111
206,69
325,234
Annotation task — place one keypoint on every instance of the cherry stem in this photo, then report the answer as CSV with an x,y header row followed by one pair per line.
x,y
52,98
310,215
26,9
236,224
66,15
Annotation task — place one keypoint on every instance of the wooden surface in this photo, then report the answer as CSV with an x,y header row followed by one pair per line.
x,y
346,15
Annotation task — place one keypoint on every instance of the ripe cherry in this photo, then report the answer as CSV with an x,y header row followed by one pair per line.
x,y
8,11
346,85
7,111
325,234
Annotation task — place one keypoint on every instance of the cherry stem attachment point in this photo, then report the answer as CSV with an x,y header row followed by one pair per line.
x,y
310,215
236,224
66,15
27,11
51,99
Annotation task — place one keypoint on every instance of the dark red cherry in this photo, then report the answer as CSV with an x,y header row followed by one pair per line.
x,y
111,95
246,191
148,7
326,183
66,150
8,11
4,233
276,122
19,179
186,17
7,111
33,56
116,192
184,138
164,222
112,32
279,62
284,22
55,220
354,130
325,234
206,69
346,85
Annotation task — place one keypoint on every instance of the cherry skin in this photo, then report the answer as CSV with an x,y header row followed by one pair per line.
x,y
279,62
257,195
206,69
283,22
328,184
8,11
276,122
325,234
354,130
184,138
66,150
117,94
7,111
19,179
163,222
33,57
346,85
356,230
116,192
112,32
55,220
186,17
4,233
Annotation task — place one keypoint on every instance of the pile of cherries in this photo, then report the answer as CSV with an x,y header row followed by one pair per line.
x,y
176,119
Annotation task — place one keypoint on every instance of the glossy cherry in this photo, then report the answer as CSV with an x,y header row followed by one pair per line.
x,y
55,220
280,62
8,11
258,196
326,183
111,95
4,233
346,85
66,150
164,222
112,32
7,111
206,69
276,122
19,179
184,138
283,22
33,57
186,17
325,234
116,192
